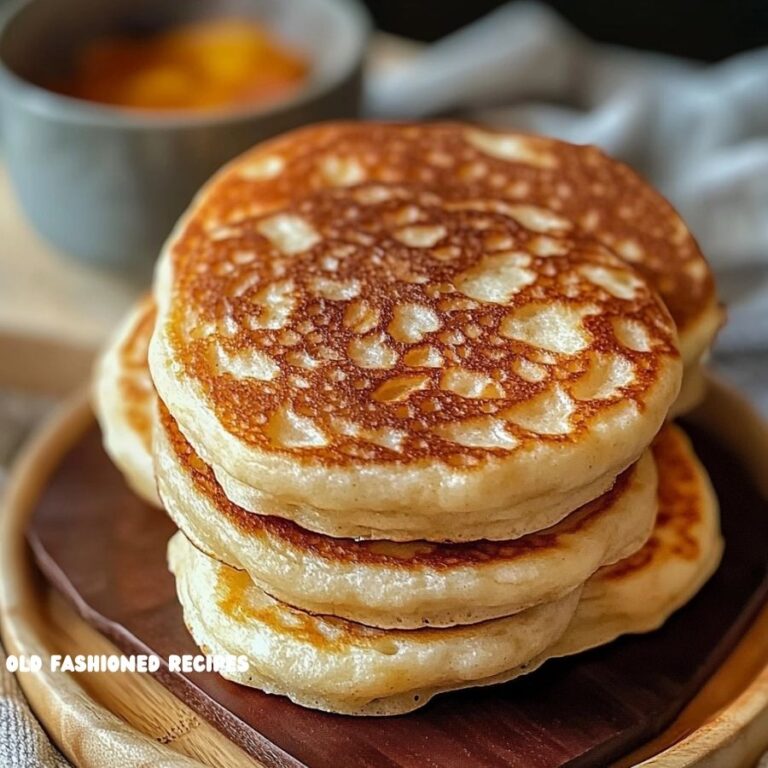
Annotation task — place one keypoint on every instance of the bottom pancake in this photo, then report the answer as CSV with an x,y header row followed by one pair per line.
x,y
340,666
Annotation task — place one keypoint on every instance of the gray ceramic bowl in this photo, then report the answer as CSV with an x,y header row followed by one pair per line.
x,y
107,184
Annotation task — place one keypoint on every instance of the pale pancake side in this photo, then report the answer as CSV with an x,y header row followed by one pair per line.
x,y
692,392
634,595
639,593
340,666
435,524
124,399
386,584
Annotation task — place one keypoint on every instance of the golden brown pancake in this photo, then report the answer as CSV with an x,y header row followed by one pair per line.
x,y
323,343
342,666
601,195
389,584
124,399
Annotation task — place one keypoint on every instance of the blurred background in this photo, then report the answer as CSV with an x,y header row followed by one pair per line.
x,y
708,30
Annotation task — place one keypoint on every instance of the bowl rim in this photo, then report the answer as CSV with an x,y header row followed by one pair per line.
x,y
60,107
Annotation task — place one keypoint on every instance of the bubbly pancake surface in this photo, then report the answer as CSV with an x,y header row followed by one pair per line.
x,y
407,585
362,328
603,197
124,399
634,595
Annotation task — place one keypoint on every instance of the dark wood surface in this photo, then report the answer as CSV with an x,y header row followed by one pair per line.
x,y
105,550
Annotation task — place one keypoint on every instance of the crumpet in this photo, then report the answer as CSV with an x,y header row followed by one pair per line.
x,y
389,353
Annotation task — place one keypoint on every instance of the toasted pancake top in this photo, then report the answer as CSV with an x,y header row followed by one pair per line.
x,y
134,382
415,554
373,305
600,195
680,508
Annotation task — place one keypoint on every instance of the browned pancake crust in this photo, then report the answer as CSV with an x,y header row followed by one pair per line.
x,y
680,509
604,196
418,554
222,261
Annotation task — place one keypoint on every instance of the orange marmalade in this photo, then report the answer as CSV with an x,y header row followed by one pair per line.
x,y
215,63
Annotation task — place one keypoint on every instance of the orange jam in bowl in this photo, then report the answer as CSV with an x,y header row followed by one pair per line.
x,y
211,64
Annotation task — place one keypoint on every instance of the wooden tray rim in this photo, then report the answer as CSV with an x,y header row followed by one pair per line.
x,y
731,736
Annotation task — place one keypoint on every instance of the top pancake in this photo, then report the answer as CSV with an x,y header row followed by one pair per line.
x,y
601,196
346,320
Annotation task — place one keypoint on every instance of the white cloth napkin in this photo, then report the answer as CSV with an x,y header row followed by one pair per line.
x,y
699,133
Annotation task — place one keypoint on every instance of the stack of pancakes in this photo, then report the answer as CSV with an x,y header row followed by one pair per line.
x,y
406,390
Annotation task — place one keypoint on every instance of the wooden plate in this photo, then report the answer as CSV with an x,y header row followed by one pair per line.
x,y
575,712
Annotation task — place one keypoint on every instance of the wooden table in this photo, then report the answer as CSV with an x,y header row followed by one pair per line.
x,y
95,718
